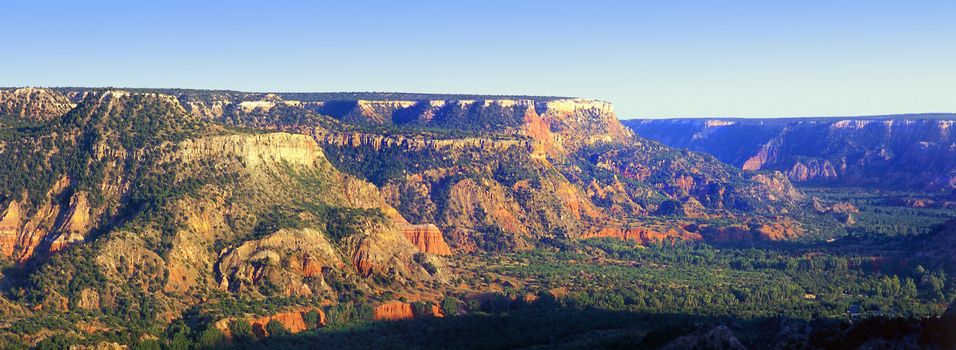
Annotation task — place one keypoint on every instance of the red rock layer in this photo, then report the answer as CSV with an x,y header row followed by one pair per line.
x,y
9,229
306,265
292,320
50,228
427,238
394,310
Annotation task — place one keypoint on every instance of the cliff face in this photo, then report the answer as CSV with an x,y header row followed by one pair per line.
x,y
396,310
427,238
556,125
292,320
906,151
60,219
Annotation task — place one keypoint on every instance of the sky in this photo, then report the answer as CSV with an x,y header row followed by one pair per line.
x,y
650,58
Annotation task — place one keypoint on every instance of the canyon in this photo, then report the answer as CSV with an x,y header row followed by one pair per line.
x,y
142,209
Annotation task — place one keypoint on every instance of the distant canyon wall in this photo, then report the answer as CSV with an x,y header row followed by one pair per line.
x,y
899,152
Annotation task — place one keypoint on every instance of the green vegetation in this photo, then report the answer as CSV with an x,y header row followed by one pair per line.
x,y
379,166
745,283
883,213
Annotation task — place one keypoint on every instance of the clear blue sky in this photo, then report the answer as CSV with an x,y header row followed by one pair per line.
x,y
652,59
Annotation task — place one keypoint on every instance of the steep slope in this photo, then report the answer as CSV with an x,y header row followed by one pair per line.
x,y
906,151
144,211
80,167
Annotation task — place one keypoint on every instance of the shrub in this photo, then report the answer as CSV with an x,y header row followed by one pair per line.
x,y
210,337
450,306
313,320
241,330
277,329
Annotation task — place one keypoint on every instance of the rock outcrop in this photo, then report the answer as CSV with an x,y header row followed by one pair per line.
x,y
10,226
254,151
770,228
290,259
293,320
397,310
427,238
61,219
393,311
380,248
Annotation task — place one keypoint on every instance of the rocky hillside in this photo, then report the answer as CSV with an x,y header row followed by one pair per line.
x,y
129,208
31,105
578,140
904,151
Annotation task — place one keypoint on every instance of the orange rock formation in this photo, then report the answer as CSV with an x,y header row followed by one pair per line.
x,y
394,310
427,238
292,320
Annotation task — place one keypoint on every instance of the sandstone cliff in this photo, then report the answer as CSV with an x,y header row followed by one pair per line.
x,y
427,238
62,218
293,320
397,310
394,311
